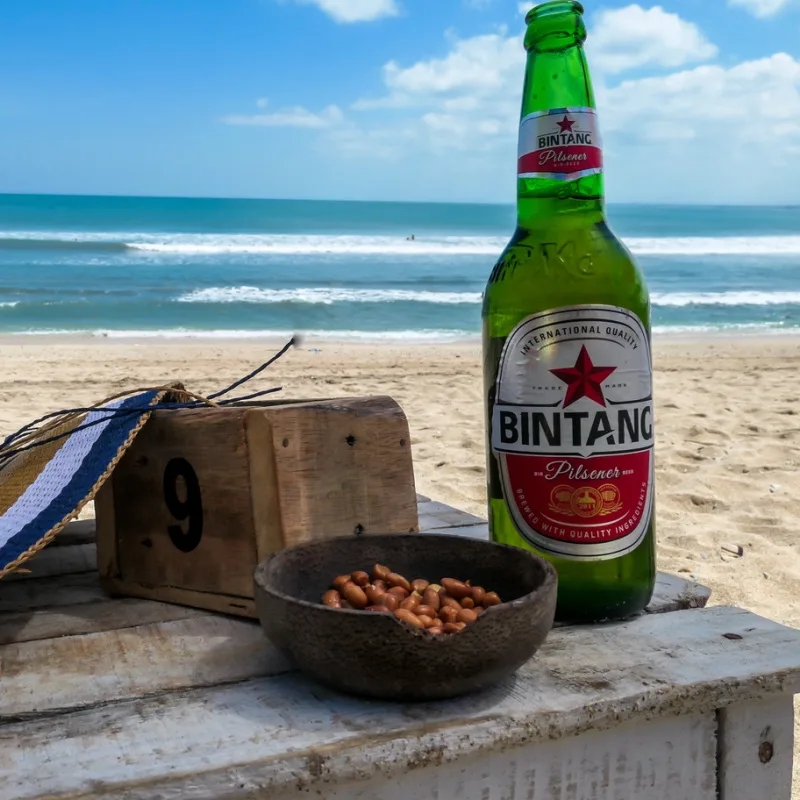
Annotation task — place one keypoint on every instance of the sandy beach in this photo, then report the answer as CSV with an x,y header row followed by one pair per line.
x,y
728,431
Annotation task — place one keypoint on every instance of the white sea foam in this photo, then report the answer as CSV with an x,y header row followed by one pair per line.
x,y
9,304
408,336
752,298
318,244
715,245
323,296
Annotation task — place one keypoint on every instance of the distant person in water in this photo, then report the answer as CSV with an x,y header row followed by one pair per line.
x,y
410,238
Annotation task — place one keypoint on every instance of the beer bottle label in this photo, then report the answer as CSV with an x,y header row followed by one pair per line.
x,y
560,144
572,430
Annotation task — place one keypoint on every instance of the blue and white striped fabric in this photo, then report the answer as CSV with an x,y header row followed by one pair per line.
x,y
43,488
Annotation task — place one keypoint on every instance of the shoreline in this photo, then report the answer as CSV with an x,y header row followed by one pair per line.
x,y
366,339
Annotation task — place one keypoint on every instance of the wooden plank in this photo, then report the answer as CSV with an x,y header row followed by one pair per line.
x,y
58,561
212,601
26,626
287,734
59,590
355,453
756,743
207,449
671,593
433,515
71,672
676,594
81,531
667,759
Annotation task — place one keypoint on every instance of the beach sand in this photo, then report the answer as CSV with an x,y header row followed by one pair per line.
x,y
727,450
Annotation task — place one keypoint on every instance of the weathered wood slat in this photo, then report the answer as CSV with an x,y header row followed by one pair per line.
x,y
54,591
756,744
285,734
671,592
58,561
433,515
105,615
82,531
630,762
77,671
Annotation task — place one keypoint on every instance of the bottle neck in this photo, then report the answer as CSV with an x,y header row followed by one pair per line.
x,y
560,160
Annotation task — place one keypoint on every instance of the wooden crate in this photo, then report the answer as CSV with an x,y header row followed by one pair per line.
x,y
203,495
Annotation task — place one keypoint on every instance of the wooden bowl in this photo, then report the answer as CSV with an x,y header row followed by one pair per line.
x,y
377,655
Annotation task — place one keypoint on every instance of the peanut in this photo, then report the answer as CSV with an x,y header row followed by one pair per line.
x,y
436,630
379,584
419,585
355,596
448,601
428,611
374,595
478,593
399,592
430,598
454,627
392,601
340,582
380,572
332,599
448,614
360,578
454,588
411,602
407,616
491,599
468,602
467,615
428,622
393,579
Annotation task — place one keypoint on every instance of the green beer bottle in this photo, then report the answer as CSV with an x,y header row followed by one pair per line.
x,y
566,342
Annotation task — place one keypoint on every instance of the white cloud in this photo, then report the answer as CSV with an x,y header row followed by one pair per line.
x,y
294,117
630,37
355,10
762,8
524,8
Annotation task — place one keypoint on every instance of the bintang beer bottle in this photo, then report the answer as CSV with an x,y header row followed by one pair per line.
x,y
566,325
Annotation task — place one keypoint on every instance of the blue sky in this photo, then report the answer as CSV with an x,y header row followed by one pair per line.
x,y
386,99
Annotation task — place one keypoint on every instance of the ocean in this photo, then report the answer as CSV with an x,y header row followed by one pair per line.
x,y
168,267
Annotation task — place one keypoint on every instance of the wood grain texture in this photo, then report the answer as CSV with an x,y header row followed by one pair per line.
x,y
343,467
671,593
433,516
213,442
633,762
89,617
756,747
70,672
81,531
58,561
285,734
51,592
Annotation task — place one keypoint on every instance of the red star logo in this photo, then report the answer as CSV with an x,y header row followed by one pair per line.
x,y
584,379
566,124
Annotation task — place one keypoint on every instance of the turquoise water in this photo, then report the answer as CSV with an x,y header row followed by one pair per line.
x,y
121,266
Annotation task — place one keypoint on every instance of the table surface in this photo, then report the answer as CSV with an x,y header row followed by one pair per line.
x,y
103,697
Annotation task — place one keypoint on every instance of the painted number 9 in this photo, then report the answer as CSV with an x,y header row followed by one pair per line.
x,y
189,510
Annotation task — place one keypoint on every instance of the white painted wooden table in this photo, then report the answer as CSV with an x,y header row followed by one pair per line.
x,y
103,698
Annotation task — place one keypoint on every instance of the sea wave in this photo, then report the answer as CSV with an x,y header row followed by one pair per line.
x,y
750,298
212,244
332,296
407,336
323,296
